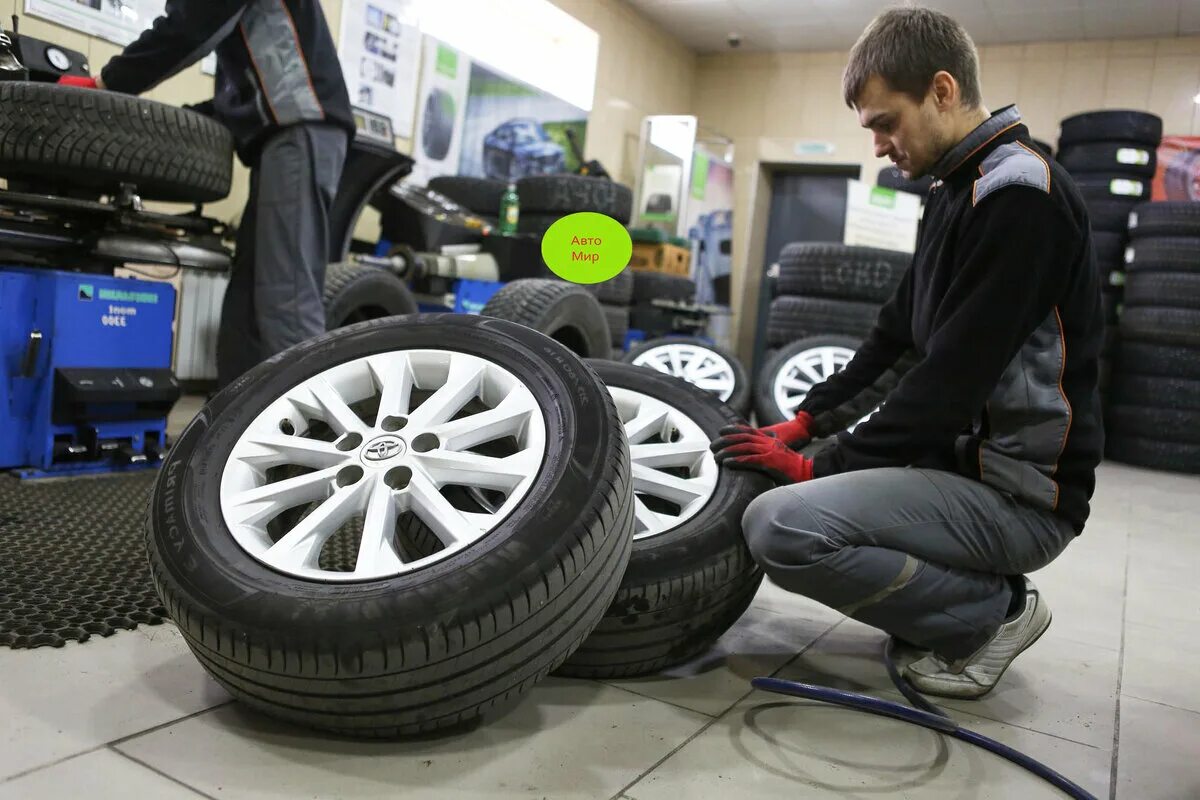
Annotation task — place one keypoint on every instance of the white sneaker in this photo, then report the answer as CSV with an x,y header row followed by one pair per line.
x,y
976,675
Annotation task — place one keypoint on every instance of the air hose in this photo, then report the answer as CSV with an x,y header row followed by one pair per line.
x,y
923,713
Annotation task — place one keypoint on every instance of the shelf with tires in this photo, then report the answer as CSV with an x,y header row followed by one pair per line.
x,y
424,534
1112,156
1153,416
829,296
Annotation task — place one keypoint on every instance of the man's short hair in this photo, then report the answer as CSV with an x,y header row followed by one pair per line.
x,y
906,47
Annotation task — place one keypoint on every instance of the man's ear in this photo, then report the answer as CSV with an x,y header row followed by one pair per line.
x,y
945,90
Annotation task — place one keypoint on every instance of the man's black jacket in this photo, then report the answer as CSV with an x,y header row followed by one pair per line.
x,y
1002,308
276,63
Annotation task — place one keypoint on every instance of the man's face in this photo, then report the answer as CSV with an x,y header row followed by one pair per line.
x,y
907,132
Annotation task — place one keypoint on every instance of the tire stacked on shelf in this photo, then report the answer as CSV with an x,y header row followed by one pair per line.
x,y
1154,400
545,199
1112,157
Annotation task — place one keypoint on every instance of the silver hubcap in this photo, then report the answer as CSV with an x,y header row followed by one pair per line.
x,y
800,373
695,364
423,451
674,472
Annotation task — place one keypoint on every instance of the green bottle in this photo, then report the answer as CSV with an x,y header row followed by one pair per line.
x,y
510,210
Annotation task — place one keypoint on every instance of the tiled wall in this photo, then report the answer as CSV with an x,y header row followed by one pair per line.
x,y
767,102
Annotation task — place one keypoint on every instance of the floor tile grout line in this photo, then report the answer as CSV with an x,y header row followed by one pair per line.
x,y
658,699
1161,704
620,792
122,740
51,764
159,772
1116,746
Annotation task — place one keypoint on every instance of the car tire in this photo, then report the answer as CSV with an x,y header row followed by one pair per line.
x,y
1111,126
1161,325
792,318
1112,186
839,271
1145,358
1154,453
827,355
618,325
1164,253
1165,424
566,312
568,194
537,224
355,293
1173,289
648,286
1111,215
98,140
480,195
1128,157
724,377
1109,249
1172,218
687,583
616,291
1155,391
437,125
428,645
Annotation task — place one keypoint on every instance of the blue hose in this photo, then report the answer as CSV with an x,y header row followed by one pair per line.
x,y
926,714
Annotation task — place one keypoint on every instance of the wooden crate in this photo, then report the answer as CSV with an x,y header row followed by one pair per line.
x,y
666,258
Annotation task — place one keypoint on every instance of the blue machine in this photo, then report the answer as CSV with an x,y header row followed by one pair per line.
x,y
85,371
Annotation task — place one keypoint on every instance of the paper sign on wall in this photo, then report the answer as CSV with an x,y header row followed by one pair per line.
x,y
380,51
879,217
119,21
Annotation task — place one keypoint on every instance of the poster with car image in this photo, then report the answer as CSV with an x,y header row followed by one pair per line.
x,y
380,51
474,120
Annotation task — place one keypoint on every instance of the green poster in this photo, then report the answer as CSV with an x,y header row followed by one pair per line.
x,y
699,175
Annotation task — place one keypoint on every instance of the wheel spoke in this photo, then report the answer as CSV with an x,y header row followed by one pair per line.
x,y
828,364
670,454
657,363
256,505
300,548
647,521
809,369
659,484
721,384
377,551
648,421
710,369
484,472
451,526
462,384
335,411
676,367
394,374
509,418
278,450
796,385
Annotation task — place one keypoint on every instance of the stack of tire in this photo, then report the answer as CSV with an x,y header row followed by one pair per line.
x,y
1154,398
545,199
400,529
1112,157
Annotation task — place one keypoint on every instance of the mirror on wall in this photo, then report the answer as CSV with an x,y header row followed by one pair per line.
x,y
664,173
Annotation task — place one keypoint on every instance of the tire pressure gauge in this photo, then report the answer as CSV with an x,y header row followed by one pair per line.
x,y
58,59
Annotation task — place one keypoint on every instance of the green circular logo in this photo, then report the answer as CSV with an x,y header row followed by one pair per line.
x,y
586,247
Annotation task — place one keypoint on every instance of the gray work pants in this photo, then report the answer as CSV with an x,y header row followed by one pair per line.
x,y
274,295
921,554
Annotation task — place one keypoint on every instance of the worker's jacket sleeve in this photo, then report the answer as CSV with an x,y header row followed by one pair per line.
x,y
888,341
1014,250
187,31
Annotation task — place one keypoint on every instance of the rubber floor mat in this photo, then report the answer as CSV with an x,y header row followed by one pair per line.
x,y
73,559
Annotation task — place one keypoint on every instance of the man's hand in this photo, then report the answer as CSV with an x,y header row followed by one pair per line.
x,y
763,453
794,433
82,83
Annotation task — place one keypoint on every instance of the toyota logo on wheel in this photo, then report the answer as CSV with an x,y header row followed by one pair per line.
x,y
384,448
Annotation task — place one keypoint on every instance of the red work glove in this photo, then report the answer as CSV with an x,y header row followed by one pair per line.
x,y
794,433
73,80
763,453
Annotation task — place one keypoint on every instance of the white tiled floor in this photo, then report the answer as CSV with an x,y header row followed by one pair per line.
x,y
1112,692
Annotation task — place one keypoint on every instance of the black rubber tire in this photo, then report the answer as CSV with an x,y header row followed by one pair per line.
x,y
892,178
97,140
1154,454
1104,157
1165,424
568,194
1164,253
431,649
437,125
1172,218
355,293
1145,358
1155,391
1169,326
739,400
649,286
1099,186
766,410
617,318
1110,302
1173,289
566,312
1110,215
792,318
481,195
616,291
1109,249
686,586
840,271
1117,125
531,222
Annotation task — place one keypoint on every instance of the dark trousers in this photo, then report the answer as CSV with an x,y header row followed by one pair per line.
x,y
274,295
922,554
